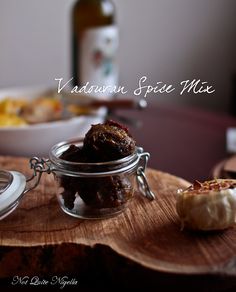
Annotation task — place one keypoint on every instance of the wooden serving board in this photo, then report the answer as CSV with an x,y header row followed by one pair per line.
x,y
147,233
225,168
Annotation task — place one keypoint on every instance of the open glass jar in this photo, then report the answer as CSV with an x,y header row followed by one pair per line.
x,y
84,190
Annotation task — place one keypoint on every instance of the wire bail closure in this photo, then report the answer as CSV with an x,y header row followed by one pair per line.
x,y
142,181
39,166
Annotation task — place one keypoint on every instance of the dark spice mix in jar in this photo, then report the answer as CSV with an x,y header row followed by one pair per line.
x,y
102,143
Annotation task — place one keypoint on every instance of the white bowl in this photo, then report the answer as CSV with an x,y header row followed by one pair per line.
x,y
36,140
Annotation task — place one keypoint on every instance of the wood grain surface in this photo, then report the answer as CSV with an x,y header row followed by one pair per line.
x,y
146,232
226,168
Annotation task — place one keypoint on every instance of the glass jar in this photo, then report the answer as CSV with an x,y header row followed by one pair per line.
x,y
85,190
95,190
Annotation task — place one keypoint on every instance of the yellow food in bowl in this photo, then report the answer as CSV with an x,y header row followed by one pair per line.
x,y
18,112
11,106
7,120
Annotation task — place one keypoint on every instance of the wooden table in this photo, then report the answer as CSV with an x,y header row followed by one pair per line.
x,y
186,142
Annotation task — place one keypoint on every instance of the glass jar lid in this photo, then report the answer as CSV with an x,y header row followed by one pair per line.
x,y
12,187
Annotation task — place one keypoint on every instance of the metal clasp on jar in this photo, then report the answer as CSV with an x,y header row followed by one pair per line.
x,y
142,181
39,166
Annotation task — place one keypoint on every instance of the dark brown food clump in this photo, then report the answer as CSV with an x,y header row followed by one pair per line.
x,y
105,192
107,142
102,143
74,154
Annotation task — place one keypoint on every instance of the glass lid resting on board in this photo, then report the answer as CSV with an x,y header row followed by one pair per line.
x,y
12,186
6,179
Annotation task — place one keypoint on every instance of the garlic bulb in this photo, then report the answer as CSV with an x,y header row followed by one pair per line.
x,y
208,206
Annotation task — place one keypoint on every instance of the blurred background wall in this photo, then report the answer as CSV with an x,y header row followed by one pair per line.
x,y
166,40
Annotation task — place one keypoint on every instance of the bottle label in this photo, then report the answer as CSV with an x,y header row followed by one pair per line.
x,y
98,59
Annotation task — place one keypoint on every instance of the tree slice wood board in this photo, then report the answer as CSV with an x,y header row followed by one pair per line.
x,y
225,169
146,232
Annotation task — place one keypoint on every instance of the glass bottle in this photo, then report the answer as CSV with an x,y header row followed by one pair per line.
x,y
94,45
